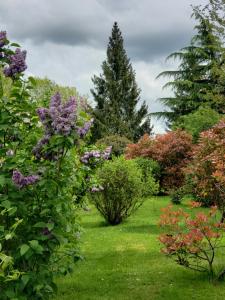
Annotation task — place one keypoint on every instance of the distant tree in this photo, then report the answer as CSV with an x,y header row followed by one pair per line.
x,y
200,120
45,87
200,77
171,150
116,95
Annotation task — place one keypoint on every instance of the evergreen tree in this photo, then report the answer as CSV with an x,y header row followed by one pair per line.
x,y
116,95
200,79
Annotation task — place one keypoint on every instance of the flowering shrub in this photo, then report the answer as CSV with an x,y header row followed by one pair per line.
x,y
171,150
206,175
38,154
90,160
120,189
192,241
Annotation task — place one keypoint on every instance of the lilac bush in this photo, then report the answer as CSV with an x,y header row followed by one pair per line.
x,y
17,63
38,178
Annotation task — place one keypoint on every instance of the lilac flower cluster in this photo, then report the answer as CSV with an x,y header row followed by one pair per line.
x,y
59,118
82,131
106,154
17,63
37,151
21,181
96,154
63,116
3,38
96,189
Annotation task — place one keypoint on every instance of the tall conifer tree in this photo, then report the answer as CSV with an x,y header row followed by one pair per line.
x,y
116,95
200,79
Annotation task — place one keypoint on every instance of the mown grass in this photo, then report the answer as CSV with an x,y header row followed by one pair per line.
x,y
124,262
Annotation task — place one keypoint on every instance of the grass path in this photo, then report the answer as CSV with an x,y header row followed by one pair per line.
x,y
124,263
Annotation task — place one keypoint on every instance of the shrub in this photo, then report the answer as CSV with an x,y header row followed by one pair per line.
x,y
192,241
171,150
120,190
37,183
150,175
177,195
117,142
205,174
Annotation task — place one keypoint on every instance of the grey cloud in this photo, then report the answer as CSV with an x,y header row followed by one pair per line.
x,y
150,29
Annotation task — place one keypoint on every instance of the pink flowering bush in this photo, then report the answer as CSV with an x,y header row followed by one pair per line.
x,y
193,242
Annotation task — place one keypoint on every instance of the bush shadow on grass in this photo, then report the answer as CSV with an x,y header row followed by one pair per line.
x,y
94,224
143,229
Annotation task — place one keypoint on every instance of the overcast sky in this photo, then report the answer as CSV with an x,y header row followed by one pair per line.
x,y
66,40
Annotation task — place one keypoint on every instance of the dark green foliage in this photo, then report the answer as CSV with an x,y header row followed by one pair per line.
x,y
177,195
117,142
116,95
149,166
200,120
122,190
201,74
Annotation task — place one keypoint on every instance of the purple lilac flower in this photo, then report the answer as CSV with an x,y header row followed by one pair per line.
x,y
17,63
96,154
106,154
21,181
61,117
38,148
82,131
3,38
43,114
91,154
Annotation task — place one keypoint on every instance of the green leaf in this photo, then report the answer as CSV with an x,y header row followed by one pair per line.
x,y
15,45
25,279
1,87
23,249
2,178
40,225
34,244
8,236
32,80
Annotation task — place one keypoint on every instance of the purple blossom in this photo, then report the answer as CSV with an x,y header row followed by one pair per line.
x,y
3,38
106,154
82,131
43,114
37,151
17,63
21,181
59,118
96,154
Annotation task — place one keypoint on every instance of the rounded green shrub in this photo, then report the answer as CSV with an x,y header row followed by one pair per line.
x,y
150,175
121,190
117,142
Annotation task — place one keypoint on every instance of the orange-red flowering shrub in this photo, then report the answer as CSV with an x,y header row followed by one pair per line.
x,y
192,241
206,173
172,150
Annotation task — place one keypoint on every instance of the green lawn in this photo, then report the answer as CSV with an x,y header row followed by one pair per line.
x,y
124,262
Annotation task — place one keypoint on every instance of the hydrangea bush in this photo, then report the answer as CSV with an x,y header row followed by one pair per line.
x,y
38,174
